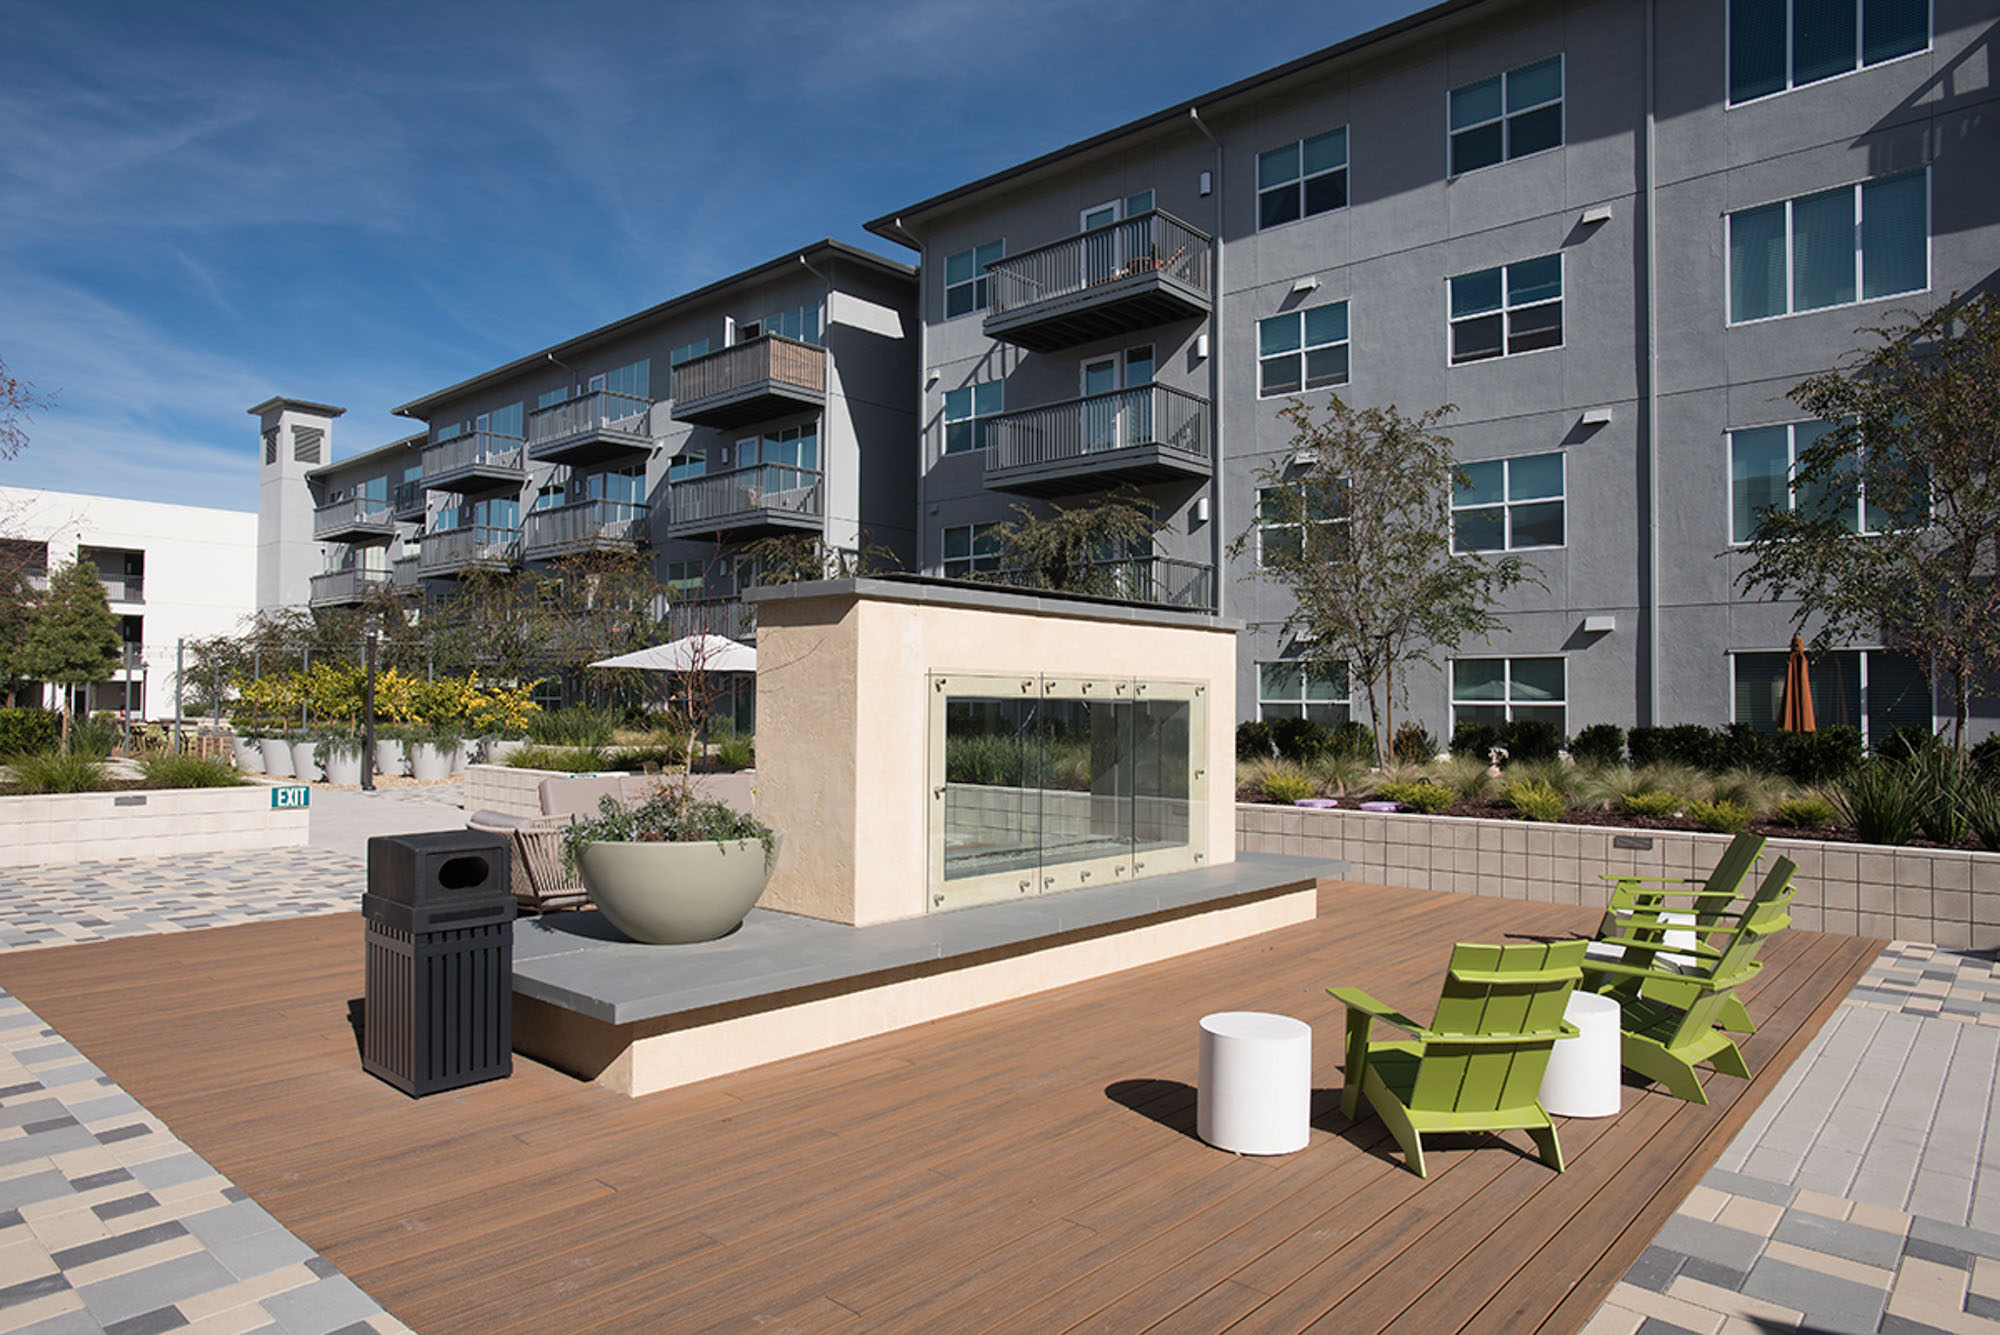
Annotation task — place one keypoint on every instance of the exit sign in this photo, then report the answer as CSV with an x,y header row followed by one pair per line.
x,y
290,797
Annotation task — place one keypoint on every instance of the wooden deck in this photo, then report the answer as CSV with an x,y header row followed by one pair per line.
x,y
1027,1167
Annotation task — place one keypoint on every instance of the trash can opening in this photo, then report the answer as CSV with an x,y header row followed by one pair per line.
x,y
463,873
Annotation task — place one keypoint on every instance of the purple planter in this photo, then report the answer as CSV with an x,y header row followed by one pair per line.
x,y
1380,806
1320,803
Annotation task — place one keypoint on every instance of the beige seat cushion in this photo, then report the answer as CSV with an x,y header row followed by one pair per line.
x,y
579,794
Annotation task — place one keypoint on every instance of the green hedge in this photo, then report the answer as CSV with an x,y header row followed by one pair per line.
x,y
28,731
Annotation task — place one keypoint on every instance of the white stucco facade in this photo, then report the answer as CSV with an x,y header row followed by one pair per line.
x,y
179,570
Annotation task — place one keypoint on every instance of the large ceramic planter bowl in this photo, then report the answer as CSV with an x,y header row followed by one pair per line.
x,y
306,767
673,894
277,757
430,763
249,755
343,768
389,759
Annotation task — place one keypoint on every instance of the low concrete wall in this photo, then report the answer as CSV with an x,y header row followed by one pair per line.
x,y
78,827
1945,897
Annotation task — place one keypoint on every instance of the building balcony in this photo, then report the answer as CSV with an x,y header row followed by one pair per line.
x,y
477,461
1134,436
1136,274
406,571
128,589
731,618
454,551
585,526
407,501
344,588
355,519
592,428
755,381
757,501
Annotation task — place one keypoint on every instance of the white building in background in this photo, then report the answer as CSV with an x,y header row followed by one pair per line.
x,y
170,572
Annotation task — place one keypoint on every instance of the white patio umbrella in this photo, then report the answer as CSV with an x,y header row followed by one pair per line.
x,y
710,653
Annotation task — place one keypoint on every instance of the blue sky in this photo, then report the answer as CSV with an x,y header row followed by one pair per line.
x,y
204,204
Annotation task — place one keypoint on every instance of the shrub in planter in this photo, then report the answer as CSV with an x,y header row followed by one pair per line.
x,y
93,736
1414,744
170,771
1823,756
1805,811
1356,741
1692,745
1531,739
1722,817
1937,775
1428,796
29,731
339,758
1642,744
1253,740
1985,758
1300,739
1879,801
1471,738
1982,812
1650,803
56,772
1282,782
1598,744
1912,739
1471,777
568,759
1745,746
579,725
674,868
433,755
736,751
1535,799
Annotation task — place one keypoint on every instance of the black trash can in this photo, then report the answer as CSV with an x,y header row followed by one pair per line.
x,y
440,994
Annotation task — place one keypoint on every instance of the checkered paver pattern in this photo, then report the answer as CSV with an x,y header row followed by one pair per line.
x,y
109,1223
95,901
1864,1194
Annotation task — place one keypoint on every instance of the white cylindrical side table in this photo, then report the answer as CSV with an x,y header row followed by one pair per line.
x,y
1582,1079
1254,1090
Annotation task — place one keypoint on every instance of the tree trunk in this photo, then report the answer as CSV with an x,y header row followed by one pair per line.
x,y
1386,733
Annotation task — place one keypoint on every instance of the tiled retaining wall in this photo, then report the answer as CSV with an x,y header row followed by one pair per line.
x,y
80,827
1947,898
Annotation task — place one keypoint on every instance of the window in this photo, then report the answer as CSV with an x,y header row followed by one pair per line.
x,y
548,399
623,485
1286,513
1499,690
1507,116
1513,309
633,381
499,512
1780,44
801,323
793,447
1876,690
687,352
448,431
1809,253
503,421
970,548
1762,461
967,410
684,580
1293,690
965,278
1303,349
1105,214
1302,179
686,467
1506,505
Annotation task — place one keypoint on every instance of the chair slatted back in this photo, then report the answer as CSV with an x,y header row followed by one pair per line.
x,y
1492,994
1708,909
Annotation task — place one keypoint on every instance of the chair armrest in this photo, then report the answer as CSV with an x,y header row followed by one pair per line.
x,y
1356,1000
1660,947
1705,982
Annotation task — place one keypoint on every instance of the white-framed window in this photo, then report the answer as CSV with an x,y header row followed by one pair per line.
x,y
1507,116
1507,505
1286,512
1293,690
1302,349
1509,310
1115,210
1875,690
1779,44
1853,243
1763,461
687,352
966,412
1502,690
965,278
970,548
1302,178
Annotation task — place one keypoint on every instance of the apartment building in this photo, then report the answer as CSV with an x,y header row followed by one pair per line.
x,y
1612,232
169,572
775,401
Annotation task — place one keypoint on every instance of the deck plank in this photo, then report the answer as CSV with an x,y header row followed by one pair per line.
x,y
1026,1166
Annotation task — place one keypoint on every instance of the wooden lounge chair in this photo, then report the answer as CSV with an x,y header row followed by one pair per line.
x,y
1478,1065
1672,1019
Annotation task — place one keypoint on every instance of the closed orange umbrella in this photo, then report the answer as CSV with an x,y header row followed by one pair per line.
x,y
1796,713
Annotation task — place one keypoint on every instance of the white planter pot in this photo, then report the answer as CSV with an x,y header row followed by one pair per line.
x,y
498,749
249,755
277,757
428,764
674,894
389,757
344,768
467,753
304,768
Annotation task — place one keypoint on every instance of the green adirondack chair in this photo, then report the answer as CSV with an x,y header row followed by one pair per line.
x,y
1631,917
1672,1021
1478,1065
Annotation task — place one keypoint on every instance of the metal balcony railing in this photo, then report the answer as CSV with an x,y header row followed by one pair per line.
x,y
1152,415
1150,243
407,500
351,515
600,410
1138,579
483,451
347,586
447,550
729,617
125,589
406,571
759,490
582,525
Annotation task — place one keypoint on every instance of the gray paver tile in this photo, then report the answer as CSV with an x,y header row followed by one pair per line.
x,y
1838,1238
254,1254
1977,1241
320,1307
139,1291
1711,1242
1838,1306
1744,1184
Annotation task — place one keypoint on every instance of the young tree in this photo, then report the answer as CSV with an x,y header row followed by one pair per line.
x,y
1355,522
18,600
19,402
1894,525
1086,547
73,639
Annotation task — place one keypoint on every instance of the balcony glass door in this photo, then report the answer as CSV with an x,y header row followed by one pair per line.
x,y
1046,784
